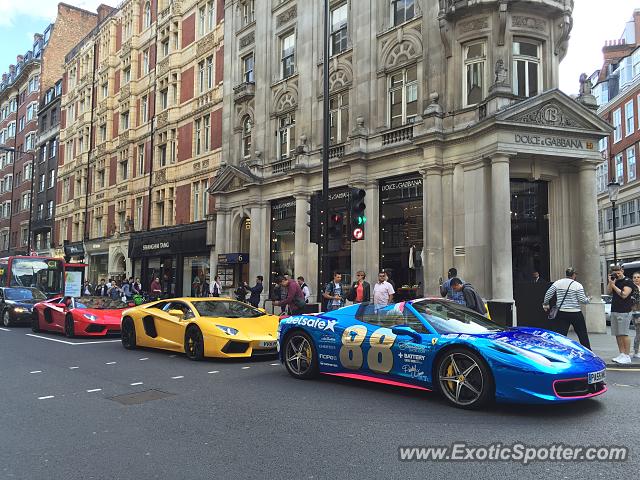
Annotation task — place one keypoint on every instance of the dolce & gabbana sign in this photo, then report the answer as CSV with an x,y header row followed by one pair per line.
x,y
547,141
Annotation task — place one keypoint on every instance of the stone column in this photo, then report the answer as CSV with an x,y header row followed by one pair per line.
x,y
301,259
220,241
589,248
432,229
501,264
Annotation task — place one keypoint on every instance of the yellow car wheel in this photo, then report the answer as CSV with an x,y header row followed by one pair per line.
x,y
128,333
194,344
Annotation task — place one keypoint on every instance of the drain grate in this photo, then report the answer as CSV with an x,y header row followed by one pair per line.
x,y
141,397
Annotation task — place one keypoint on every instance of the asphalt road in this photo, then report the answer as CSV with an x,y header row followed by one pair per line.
x,y
221,419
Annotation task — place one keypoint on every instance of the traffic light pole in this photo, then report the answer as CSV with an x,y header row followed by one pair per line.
x,y
325,275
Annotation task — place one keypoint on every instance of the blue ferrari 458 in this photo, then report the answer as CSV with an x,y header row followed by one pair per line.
x,y
435,344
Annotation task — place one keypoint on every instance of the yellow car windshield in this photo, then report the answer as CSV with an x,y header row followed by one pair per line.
x,y
226,309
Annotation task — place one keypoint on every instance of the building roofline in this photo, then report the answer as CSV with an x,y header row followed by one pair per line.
x,y
73,7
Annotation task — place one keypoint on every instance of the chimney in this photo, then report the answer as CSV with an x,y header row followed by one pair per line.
x,y
37,37
636,23
103,12
12,69
4,77
19,59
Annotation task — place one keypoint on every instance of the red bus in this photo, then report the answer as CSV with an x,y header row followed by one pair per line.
x,y
44,273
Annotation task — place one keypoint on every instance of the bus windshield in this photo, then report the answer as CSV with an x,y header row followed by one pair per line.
x,y
43,274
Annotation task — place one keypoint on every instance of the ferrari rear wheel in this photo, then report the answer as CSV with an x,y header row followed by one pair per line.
x,y
300,356
128,334
464,379
194,344
69,330
35,322
6,318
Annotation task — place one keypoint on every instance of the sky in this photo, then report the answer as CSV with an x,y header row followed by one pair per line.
x,y
593,24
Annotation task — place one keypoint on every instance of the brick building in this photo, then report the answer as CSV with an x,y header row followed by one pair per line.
x,y
140,138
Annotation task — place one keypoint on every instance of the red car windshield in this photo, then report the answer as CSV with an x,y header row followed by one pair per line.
x,y
100,303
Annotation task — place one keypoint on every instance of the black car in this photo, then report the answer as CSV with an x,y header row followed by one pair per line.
x,y
16,304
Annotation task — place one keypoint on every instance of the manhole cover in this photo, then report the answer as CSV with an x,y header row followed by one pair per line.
x,y
140,397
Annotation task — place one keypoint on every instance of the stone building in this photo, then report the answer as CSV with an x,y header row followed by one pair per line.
x,y
448,115
140,137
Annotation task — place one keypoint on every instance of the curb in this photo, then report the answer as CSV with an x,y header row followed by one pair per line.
x,y
623,365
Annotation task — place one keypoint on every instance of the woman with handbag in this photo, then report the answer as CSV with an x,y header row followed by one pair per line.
x,y
569,295
360,290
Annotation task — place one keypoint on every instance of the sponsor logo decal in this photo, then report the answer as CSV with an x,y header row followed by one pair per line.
x,y
324,346
324,356
414,372
325,364
434,340
327,339
411,357
312,322
449,335
412,347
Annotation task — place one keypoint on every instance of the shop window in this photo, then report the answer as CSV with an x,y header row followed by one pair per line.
x,y
283,227
196,276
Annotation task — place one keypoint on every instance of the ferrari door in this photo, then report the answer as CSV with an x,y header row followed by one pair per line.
x,y
55,314
171,329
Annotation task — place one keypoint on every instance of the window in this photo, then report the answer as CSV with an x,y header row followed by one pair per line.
x,y
631,163
286,135
124,120
124,168
207,132
619,169
200,204
40,214
50,209
144,107
145,62
139,210
28,171
248,12
202,15
629,120
162,151
402,10
160,212
632,212
122,221
164,47
247,127
105,90
211,16
126,75
26,201
99,230
247,67
339,117
602,177
198,131
52,178
288,49
196,202
141,159
164,98
147,15
474,62
403,97
617,125
624,211
101,178
201,76
339,29
103,132
32,111
210,72
42,182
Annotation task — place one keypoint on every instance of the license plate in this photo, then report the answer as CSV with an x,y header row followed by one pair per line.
x,y
269,344
595,377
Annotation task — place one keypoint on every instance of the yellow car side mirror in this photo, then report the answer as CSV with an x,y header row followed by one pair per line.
x,y
176,313
262,310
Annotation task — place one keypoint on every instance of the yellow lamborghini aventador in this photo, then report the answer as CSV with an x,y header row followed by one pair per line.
x,y
201,327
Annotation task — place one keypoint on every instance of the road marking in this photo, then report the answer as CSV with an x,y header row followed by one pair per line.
x,y
136,383
246,368
215,371
142,359
36,371
97,341
172,356
94,390
73,368
5,329
179,376
274,364
69,343
110,363
46,398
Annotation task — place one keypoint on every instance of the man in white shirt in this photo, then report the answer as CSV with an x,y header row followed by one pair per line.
x,y
382,292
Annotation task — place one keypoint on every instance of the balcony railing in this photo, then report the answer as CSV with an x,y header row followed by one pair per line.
x,y
398,135
281,166
244,91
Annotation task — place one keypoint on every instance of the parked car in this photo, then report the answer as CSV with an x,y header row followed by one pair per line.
x,y
16,304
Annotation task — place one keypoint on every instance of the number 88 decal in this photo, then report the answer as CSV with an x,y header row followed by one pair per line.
x,y
379,356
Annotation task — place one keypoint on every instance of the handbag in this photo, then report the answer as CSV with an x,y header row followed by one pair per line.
x,y
553,313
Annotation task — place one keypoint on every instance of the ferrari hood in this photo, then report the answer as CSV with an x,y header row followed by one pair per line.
x,y
250,327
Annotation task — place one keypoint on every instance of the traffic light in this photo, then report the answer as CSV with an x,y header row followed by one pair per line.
x,y
335,226
357,214
315,218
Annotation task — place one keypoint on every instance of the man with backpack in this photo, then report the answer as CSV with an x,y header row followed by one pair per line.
x,y
471,298
333,293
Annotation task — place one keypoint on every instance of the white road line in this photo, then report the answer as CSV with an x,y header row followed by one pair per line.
x,y
5,329
110,363
69,343
274,364
98,341
215,371
246,368
172,356
36,371
142,359
94,390
46,398
136,383
179,376
73,368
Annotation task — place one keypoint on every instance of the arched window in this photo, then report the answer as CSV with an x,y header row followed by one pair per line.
x,y
147,14
247,127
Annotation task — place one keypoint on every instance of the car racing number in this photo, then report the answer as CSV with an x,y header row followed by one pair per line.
x,y
379,356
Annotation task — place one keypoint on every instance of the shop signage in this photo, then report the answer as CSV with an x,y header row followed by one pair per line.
x,y
401,189
74,250
155,246
558,142
417,182
182,240
232,258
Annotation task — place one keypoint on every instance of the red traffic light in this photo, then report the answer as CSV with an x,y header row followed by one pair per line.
x,y
336,218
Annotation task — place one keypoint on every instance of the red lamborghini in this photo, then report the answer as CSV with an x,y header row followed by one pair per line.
x,y
85,316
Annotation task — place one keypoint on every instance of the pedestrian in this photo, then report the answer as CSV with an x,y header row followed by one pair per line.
x,y
126,289
620,288
635,314
206,288
196,286
216,287
256,291
472,299
333,293
137,287
569,295
360,289
294,299
306,291
110,283
383,292
102,290
447,291
241,292
115,291
155,289
283,292
536,278
87,289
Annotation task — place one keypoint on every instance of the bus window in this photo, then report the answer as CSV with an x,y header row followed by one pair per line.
x,y
4,273
43,274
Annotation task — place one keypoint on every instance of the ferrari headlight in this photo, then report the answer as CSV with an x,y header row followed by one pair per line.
x,y
91,317
533,356
227,330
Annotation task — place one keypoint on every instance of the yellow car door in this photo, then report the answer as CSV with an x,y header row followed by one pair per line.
x,y
171,326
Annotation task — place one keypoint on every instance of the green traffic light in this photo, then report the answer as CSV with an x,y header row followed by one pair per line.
x,y
362,220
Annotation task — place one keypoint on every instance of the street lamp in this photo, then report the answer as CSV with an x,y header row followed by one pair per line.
x,y
33,161
613,188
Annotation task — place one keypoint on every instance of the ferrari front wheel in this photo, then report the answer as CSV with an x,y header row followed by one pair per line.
x,y
464,379
128,334
69,330
300,357
194,344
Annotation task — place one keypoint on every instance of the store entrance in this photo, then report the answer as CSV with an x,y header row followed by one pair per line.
x,y
530,249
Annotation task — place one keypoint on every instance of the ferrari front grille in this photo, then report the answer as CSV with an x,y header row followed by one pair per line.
x,y
235,347
576,388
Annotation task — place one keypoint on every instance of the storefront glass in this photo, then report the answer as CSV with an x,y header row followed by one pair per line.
x,y
98,267
283,235
401,235
195,278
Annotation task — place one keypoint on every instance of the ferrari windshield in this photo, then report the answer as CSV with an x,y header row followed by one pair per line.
x,y
100,303
226,309
449,317
23,294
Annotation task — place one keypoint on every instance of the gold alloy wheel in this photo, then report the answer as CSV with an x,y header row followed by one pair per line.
x,y
461,379
299,355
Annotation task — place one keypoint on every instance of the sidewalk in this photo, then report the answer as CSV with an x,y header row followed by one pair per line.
x,y
604,345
